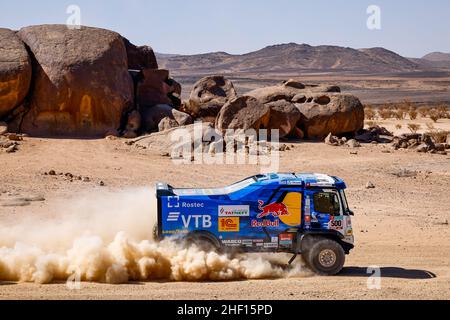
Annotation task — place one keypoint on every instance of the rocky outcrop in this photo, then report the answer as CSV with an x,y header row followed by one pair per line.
x,y
152,116
81,82
15,71
335,113
243,113
156,87
141,57
208,96
323,109
291,90
285,117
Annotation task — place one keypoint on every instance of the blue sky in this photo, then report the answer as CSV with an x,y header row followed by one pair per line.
x,y
411,28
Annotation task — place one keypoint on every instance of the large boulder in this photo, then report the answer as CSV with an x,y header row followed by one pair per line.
x,y
334,113
156,87
15,71
81,82
285,116
173,140
290,90
286,91
243,113
152,116
209,95
141,57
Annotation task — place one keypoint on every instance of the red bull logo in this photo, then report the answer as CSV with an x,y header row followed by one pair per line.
x,y
275,209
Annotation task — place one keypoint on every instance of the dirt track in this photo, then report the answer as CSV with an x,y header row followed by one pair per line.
x,y
401,225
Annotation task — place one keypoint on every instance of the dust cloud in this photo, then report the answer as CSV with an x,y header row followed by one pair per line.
x,y
106,237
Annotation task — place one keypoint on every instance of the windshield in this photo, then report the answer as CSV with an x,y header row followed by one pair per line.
x,y
344,201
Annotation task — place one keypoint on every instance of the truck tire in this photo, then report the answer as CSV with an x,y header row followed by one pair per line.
x,y
325,257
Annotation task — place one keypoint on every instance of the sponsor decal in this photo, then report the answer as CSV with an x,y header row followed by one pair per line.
x,y
274,209
336,223
234,211
274,239
173,202
349,232
292,182
199,221
258,242
247,242
178,231
265,223
270,245
286,239
191,205
173,216
230,224
232,243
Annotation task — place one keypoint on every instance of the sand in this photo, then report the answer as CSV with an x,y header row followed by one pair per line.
x,y
400,226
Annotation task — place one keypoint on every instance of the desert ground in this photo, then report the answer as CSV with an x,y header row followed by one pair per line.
x,y
402,225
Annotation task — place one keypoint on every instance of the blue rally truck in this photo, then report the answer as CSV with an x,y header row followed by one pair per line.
x,y
305,214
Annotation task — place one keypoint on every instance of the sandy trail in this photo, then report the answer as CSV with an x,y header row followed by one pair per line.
x,y
401,225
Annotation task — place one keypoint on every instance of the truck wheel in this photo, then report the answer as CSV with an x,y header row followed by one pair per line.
x,y
325,257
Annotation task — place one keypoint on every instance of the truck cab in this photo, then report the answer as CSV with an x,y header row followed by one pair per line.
x,y
305,214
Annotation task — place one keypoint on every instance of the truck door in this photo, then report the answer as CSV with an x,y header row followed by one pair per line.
x,y
326,210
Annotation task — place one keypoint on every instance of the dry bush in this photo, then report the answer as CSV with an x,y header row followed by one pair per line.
x,y
399,114
423,111
371,124
438,136
398,126
405,106
412,114
431,126
414,127
369,113
385,114
434,115
443,111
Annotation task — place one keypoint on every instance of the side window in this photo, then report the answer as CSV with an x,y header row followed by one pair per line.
x,y
327,202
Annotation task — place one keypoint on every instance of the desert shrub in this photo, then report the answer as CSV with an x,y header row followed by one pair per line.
x,y
370,114
399,114
443,111
371,124
434,115
385,114
430,126
413,127
423,111
412,114
398,126
405,106
438,136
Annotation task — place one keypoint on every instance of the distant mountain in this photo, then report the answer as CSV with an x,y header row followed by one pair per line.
x,y
437,57
292,57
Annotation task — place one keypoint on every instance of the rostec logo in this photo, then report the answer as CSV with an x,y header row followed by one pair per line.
x,y
234,211
275,209
173,202
173,216
230,224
